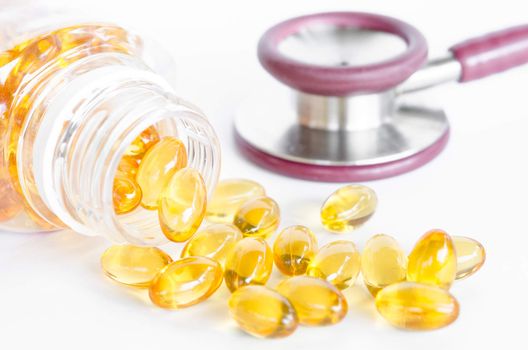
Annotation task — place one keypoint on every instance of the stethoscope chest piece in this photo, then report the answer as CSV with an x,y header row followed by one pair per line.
x,y
338,115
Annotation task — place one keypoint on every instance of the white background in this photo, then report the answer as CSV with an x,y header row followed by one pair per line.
x,y
53,294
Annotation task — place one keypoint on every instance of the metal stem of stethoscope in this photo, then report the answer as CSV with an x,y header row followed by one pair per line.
x,y
365,111
349,118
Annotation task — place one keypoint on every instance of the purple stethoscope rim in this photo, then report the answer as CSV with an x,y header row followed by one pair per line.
x,y
354,173
340,81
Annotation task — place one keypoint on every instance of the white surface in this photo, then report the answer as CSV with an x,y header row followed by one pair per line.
x,y
53,295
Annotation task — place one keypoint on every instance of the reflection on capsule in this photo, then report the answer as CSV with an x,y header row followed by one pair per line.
x,y
338,262
383,262
317,302
182,205
417,306
348,208
294,249
229,196
132,265
259,217
249,262
214,242
470,256
157,166
186,282
262,312
433,260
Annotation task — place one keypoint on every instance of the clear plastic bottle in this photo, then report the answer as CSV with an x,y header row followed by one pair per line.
x,y
73,97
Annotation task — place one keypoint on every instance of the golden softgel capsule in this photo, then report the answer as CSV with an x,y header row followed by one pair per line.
x,y
348,208
157,166
470,256
132,265
262,312
417,306
214,242
383,262
229,196
182,205
128,166
142,143
126,194
10,205
337,262
249,262
294,249
186,282
259,217
433,260
316,301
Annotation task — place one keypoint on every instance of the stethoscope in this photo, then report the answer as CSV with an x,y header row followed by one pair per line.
x,y
349,73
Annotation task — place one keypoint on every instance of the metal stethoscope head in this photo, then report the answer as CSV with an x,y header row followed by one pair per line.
x,y
349,73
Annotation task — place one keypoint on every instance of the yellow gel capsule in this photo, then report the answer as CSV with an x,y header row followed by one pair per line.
x,y
337,262
383,262
348,208
262,312
229,196
182,205
156,168
417,306
126,194
10,202
470,256
186,282
214,242
143,142
433,260
294,249
259,217
316,301
249,262
128,167
132,265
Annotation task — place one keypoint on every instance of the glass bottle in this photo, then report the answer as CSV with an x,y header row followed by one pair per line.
x,y
73,96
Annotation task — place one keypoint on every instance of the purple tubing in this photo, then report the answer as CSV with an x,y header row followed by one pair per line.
x,y
351,173
492,53
342,81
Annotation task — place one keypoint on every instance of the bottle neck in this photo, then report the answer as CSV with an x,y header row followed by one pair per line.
x,y
77,133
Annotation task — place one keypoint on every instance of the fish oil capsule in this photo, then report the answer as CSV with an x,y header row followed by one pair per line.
x,y
348,208
126,195
337,262
259,217
417,306
249,262
157,166
128,166
262,312
132,265
182,205
214,242
142,143
294,249
229,196
470,256
316,301
10,203
383,262
433,260
186,282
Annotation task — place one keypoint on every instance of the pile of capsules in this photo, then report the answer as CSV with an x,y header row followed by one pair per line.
x,y
410,291
153,174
